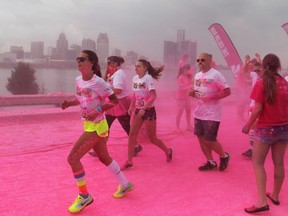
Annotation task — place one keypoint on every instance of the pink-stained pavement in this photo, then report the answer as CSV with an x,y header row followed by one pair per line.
x,y
36,179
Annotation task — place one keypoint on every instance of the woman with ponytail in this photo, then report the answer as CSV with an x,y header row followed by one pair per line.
x,y
144,95
95,97
270,93
116,77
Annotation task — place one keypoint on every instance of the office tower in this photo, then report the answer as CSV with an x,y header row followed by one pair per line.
x,y
88,44
131,58
102,47
174,51
62,47
116,52
8,58
74,51
189,48
18,50
37,50
180,35
170,53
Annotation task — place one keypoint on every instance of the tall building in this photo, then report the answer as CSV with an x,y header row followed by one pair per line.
x,y
170,53
88,44
174,51
8,58
189,48
18,50
74,51
102,47
180,35
131,57
116,52
51,51
62,47
37,50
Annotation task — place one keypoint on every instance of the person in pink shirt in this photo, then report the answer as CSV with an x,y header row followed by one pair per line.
x,y
183,61
184,83
270,94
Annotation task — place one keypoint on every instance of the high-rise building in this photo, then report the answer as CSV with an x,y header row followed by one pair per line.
x,y
18,50
8,58
180,35
88,44
37,50
51,51
174,51
131,57
170,53
74,51
102,47
62,47
116,52
189,48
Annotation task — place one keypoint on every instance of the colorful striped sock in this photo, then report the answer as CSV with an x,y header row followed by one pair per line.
x,y
81,183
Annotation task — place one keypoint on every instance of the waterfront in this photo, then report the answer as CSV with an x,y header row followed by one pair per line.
x,y
55,80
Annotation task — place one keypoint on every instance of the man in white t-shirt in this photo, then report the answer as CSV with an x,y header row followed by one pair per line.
x,y
209,87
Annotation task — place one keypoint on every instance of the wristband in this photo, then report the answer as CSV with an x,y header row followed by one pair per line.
x,y
99,109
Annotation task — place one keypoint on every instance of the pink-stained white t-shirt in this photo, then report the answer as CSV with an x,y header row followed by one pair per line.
x,y
90,94
209,83
119,81
141,88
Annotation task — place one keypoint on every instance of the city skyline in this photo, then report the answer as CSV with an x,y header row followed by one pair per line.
x,y
253,26
172,50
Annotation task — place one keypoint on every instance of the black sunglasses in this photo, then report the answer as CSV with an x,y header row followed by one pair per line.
x,y
200,60
81,59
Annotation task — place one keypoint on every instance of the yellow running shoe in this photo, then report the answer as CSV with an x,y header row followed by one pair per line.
x,y
122,191
80,203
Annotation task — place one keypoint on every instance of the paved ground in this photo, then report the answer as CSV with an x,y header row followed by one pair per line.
x,y
36,180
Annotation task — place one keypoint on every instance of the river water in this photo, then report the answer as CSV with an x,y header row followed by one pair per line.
x,y
63,80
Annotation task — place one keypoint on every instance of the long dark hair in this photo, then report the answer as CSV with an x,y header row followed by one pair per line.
x,y
154,72
117,60
93,58
271,65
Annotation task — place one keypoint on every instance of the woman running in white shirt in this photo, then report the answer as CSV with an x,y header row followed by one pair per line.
x,y
92,93
143,100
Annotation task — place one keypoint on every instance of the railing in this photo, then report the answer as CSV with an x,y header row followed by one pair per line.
x,y
37,99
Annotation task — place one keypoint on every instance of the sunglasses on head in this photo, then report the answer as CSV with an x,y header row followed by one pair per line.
x,y
81,59
200,60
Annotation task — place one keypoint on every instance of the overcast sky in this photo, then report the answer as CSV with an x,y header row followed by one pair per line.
x,y
143,25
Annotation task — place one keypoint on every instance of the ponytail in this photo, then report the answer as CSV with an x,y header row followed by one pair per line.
x,y
154,72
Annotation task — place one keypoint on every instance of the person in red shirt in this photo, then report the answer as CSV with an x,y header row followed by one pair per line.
x,y
270,93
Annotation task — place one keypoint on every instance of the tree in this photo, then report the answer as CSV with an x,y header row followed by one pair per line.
x,y
22,80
